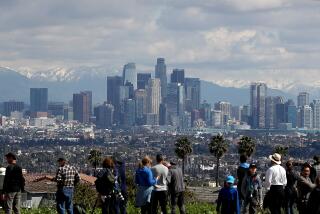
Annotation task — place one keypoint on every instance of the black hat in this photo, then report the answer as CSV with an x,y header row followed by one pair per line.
x,y
172,163
253,165
11,155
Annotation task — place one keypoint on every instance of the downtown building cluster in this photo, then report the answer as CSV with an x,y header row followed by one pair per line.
x,y
167,100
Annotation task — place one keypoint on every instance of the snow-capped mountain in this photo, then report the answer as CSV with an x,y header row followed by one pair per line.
x,y
69,74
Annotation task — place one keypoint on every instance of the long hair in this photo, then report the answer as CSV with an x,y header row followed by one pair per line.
x,y
145,161
108,163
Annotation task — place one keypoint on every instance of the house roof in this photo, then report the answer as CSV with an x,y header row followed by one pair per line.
x,y
42,183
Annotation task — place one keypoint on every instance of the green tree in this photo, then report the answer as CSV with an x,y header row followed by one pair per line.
x,y
95,158
85,195
183,150
247,146
282,150
218,146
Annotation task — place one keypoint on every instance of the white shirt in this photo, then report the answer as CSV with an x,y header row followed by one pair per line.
x,y
275,175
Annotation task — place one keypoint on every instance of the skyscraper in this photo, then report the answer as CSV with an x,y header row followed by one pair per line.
x,y
104,115
38,100
81,107
175,102
56,108
141,105
143,79
129,118
113,95
153,96
11,106
130,74
305,117
225,108
316,113
258,93
274,112
161,73
303,99
291,113
193,93
177,76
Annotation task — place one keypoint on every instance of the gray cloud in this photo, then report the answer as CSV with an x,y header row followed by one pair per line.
x,y
219,40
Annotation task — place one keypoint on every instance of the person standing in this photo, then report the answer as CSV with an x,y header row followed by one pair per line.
x,y
145,184
13,185
275,182
315,169
67,178
241,172
159,193
251,189
176,188
121,185
304,189
313,201
228,200
105,186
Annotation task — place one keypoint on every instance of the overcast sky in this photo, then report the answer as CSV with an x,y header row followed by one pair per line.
x,y
218,40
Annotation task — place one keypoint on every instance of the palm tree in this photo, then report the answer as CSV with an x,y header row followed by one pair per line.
x,y
246,146
218,146
183,150
282,150
95,159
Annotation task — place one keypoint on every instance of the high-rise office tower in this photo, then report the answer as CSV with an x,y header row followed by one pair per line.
x,y
245,113
216,117
195,116
225,108
236,113
104,115
316,113
38,100
275,112
130,74
163,114
153,96
177,76
11,106
193,93
81,107
143,79
291,113
305,117
175,102
113,95
129,118
205,112
258,93
161,73
141,105
303,99
56,108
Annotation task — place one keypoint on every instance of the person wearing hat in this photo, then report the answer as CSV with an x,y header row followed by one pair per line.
x,y
251,189
13,184
275,182
176,188
67,178
159,194
228,200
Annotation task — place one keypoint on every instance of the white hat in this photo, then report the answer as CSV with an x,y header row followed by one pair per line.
x,y
276,158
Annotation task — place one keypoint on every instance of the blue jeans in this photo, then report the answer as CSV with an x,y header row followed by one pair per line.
x,y
64,200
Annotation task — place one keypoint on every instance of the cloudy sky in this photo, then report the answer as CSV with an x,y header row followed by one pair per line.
x,y
219,40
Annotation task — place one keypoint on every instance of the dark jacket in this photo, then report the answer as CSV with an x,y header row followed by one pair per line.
x,y
241,172
313,202
304,189
175,180
105,183
251,188
13,180
228,201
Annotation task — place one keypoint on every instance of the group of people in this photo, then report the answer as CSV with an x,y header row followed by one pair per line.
x,y
285,187
156,183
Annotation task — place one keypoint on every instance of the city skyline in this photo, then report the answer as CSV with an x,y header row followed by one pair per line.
x,y
217,41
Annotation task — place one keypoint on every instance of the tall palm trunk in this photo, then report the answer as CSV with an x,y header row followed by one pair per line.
x,y
217,172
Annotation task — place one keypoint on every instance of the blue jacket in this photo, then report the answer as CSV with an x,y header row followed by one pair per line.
x,y
144,177
228,201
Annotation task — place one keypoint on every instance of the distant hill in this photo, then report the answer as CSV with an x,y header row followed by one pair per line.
x,y
15,86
